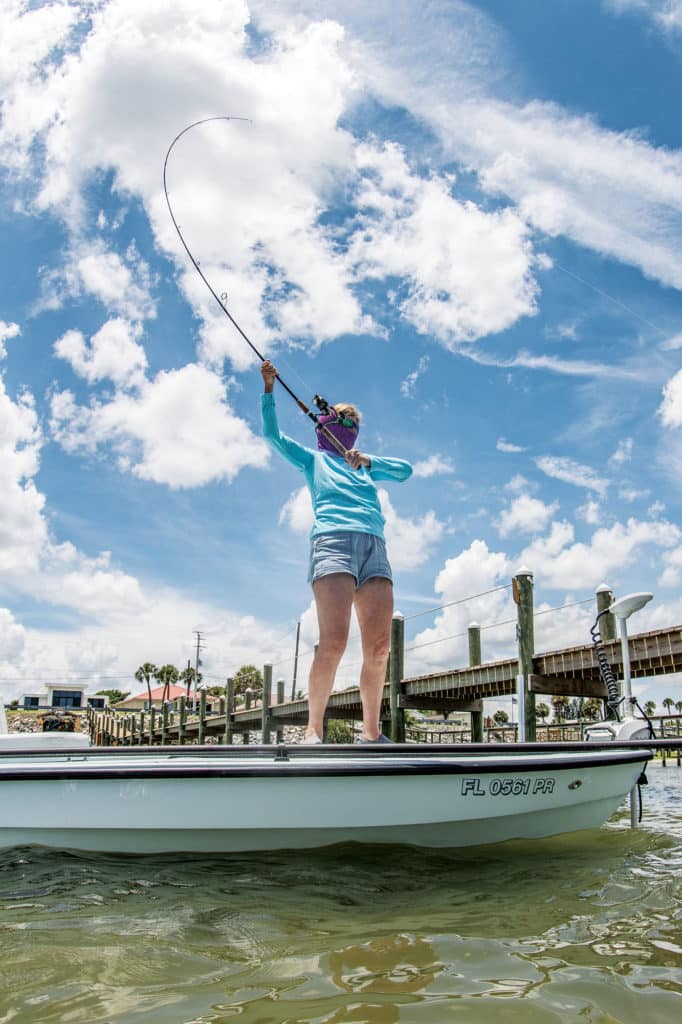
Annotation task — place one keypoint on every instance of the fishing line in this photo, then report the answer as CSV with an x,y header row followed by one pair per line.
x,y
222,298
611,298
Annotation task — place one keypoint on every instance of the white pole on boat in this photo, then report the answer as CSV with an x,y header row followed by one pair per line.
x,y
623,608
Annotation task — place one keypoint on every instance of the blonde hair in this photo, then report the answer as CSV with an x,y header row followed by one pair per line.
x,y
351,411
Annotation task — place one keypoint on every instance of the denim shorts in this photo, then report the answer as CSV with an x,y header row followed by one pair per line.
x,y
363,555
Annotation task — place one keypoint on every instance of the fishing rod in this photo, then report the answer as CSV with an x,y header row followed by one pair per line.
x,y
320,402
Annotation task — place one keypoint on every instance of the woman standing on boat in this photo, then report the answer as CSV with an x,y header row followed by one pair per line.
x,y
348,563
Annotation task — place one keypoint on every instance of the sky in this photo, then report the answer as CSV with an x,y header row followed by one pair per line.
x,y
465,218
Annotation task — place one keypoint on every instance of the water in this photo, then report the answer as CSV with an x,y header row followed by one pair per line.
x,y
584,928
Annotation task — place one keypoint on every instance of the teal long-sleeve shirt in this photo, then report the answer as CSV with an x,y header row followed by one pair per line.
x,y
343,498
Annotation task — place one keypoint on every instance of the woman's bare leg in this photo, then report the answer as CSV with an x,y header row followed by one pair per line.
x,y
333,600
374,609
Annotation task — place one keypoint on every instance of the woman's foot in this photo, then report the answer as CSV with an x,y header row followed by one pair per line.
x,y
379,739
310,739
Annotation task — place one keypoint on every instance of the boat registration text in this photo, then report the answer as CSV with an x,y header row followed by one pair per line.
x,y
506,787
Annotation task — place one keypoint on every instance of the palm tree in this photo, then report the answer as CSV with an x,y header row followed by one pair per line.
x,y
248,678
591,709
145,673
187,676
678,706
668,703
168,676
541,711
650,707
560,705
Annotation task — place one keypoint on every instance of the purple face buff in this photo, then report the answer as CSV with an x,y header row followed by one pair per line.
x,y
346,435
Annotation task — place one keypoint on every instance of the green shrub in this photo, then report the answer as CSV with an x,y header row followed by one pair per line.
x,y
338,731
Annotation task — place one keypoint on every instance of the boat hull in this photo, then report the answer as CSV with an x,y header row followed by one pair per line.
x,y
165,803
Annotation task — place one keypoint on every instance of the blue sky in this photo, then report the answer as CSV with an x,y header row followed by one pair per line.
x,y
464,217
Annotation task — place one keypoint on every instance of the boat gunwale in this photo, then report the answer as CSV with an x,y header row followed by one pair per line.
x,y
286,751
80,769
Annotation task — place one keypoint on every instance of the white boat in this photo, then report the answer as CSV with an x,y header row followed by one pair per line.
x,y
215,799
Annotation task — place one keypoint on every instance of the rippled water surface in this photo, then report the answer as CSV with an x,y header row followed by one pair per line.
x,y
586,927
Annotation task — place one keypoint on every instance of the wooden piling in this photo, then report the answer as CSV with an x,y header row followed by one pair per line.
x,y
474,631
164,723
141,727
523,595
396,661
267,699
202,716
229,706
182,718
152,724
279,734
607,622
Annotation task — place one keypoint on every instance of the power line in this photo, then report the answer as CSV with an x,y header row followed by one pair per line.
x,y
462,600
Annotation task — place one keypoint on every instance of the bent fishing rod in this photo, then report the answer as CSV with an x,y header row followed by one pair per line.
x,y
320,402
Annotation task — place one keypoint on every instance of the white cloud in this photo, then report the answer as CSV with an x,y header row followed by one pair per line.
x,y
29,36
519,484
7,331
610,191
122,284
560,562
667,14
169,66
591,512
22,527
12,641
571,472
623,452
112,353
30,560
565,367
670,409
409,541
672,344
297,511
177,430
672,572
631,494
469,574
408,385
525,515
507,446
566,331
156,626
435,465
415,229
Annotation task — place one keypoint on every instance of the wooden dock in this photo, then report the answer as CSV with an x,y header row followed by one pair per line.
x,y
572,671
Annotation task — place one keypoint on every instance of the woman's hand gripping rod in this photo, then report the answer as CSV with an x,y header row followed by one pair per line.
x,y
270,375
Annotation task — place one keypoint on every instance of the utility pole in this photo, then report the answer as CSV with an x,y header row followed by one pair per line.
x,y
197,663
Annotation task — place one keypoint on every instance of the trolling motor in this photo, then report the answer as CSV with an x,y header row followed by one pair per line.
x,y
615,726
